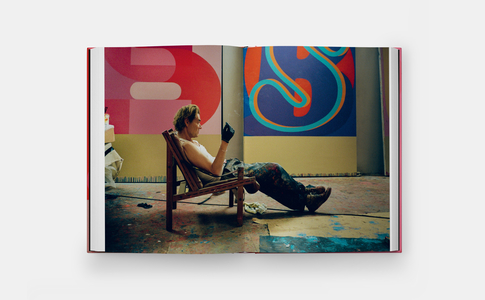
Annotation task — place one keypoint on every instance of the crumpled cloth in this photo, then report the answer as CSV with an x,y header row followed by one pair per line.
x,y
255,208
112,166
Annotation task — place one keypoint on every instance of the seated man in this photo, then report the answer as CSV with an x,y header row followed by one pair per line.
x,y
274,181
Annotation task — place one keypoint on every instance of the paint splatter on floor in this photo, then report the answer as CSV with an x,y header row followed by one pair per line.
x,y
312,244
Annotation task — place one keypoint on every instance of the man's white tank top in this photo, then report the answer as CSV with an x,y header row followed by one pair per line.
x,y
202,149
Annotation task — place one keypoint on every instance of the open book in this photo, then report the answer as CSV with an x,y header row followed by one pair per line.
x,y
329,115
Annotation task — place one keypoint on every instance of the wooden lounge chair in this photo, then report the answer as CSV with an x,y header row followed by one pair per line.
x,y
191,186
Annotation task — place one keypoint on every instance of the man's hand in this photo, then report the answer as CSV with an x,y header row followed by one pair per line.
x,y
227,133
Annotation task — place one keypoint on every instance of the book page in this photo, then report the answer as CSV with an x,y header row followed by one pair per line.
x,y
96,151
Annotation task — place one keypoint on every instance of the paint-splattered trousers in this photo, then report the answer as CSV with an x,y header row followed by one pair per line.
x,y
274,181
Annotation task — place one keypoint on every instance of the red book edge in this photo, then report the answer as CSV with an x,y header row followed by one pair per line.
x,y
88,98
400,150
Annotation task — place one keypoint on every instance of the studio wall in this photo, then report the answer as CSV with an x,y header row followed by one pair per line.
x,y
306,108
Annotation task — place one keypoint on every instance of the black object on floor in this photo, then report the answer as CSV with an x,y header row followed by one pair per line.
x,y
144,205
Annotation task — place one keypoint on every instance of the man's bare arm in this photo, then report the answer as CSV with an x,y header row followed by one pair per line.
x,y
201,161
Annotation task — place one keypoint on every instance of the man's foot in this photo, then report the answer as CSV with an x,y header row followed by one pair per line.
x,y
314,201
315,189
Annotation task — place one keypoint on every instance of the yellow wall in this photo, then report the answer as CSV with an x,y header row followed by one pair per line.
x,y
305,156
145,155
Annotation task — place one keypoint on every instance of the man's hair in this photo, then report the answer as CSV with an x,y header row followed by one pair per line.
x,y
187,112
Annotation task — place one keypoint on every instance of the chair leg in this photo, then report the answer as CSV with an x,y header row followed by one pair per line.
x,y
169,214
240,205
171,188
231,198
240,198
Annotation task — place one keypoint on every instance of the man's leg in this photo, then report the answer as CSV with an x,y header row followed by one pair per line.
x,y
275,182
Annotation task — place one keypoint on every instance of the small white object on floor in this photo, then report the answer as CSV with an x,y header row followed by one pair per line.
x,y
255,208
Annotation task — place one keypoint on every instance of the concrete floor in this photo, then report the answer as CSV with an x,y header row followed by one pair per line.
x,y
355,218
